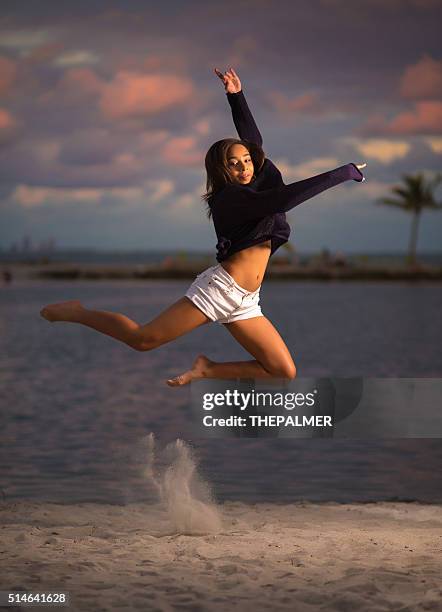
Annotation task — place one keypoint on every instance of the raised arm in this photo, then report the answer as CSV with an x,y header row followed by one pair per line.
x,y
242,117
245,203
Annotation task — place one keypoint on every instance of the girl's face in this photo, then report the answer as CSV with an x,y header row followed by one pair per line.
x,y
240,164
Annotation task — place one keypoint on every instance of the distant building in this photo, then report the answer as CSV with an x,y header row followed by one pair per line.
x,y
47,245
7,277
340,259
26,244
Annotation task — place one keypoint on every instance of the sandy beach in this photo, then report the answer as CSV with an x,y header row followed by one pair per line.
x,y
301,556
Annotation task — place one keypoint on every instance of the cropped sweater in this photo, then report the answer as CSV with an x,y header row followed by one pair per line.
x,y
245,215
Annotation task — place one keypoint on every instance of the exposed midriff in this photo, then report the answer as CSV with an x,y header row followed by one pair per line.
x,y
248,266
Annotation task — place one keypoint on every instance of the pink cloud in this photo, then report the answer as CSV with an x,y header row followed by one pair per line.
x,y
182,152
8,71
30,196
133,94
425,119
6,119
422,80
82,80
167,61
305,103
44,53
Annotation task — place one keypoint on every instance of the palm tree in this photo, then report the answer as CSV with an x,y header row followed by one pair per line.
x,y
291,252
413,197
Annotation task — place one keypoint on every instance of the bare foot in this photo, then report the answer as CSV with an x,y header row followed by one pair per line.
x,y
64,311
199,369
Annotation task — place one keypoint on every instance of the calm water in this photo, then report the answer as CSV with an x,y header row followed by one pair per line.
x,y
75,404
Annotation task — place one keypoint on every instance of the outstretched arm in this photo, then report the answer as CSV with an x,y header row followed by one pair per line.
x,y
246,203
242,117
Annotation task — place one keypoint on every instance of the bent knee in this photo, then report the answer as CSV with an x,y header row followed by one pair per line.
x,y
290,372
144,342
284,370
141,347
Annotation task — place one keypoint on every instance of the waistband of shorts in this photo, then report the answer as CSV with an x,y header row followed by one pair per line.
x,y
218,269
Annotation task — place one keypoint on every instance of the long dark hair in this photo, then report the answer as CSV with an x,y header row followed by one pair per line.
x,y
217,169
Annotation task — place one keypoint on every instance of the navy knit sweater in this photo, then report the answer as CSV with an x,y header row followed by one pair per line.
x,y
244,215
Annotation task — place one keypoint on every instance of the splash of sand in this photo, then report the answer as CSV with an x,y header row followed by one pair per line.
x,y
185,495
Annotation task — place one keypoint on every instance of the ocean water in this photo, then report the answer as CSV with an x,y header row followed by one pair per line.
x,y
76,405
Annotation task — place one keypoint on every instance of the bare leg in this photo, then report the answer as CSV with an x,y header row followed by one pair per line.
x,y
110,323
257,336
179,318
260,338
203,367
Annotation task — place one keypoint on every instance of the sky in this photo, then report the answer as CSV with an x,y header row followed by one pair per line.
x,y
107,109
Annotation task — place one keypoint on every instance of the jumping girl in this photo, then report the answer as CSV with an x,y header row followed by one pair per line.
x,y
247,201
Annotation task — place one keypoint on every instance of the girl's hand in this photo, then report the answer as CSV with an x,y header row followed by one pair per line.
x,y
231,81
359,167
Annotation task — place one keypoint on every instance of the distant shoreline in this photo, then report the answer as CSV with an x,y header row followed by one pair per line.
x,y
286,272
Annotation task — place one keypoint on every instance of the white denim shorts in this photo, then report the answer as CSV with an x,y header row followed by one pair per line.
x,y
220,297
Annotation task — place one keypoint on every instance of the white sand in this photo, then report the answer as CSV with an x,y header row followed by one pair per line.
x,y
380,556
